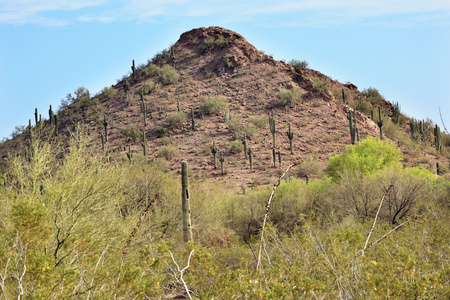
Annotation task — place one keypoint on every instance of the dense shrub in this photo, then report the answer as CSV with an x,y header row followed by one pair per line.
x,y
299,65
167,152
290,97
150,86
320,86
213,105
167,75
369,156
175,119
132,133
108,92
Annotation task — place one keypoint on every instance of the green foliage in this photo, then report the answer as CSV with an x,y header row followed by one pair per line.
x,y
160,131
132,133
150,70
290,97
299,65
167,152
367,157
374,96
320,86
174,120
108,92
167,75
150,87
207,45
236,146
258,121
213,105
66,219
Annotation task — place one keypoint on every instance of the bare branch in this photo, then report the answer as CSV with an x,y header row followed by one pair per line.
x,y
442,120
258,261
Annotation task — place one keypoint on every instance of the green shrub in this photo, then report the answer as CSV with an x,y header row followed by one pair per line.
x,y
374,96
175,119
367,157
213,105
236,146
161,131
289,97
167,75
320,86
149,87
151,70
108,92
258,121
167,152
132,133
299,65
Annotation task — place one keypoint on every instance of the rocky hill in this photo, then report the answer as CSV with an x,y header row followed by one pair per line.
x,y
214,78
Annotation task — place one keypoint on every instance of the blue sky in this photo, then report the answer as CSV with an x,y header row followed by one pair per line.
x,y
51,47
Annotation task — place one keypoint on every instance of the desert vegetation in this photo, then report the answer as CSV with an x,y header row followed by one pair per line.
x,y
72,225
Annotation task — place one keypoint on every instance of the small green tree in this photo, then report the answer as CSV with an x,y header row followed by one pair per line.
x,y
369,156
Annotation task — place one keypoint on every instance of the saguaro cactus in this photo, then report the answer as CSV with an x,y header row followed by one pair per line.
x,y
36,116
221,163
438,138
279,157
244,142
250,158
105,124
272,128
187,233
354,133
274,156
133,68
343,95
290,135
144,144
438,170
214,151
50,115
144,109
56,124
103,142
129,154
126,89
380,122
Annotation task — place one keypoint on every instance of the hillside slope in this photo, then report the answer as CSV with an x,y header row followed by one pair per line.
x,y
231,88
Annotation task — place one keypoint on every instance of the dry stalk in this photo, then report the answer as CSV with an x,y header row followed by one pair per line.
x,y
376,216
258,261
180,279
442,120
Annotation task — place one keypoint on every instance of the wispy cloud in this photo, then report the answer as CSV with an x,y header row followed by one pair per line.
x,y
33,11
313,12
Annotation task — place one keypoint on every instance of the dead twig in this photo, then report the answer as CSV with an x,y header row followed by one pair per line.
x,y
442,120
376,216
258,261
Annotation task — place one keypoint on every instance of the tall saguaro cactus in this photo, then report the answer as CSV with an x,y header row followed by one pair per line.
x,y
105,124
172,57
56,124
144,108
221,159
354,133
438,138
250,158
36,116
144,144
380,122
187,233
272,128
214,151
290,135
133,68
50,115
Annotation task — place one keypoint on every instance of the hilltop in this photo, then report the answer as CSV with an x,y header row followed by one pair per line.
x,y
231,88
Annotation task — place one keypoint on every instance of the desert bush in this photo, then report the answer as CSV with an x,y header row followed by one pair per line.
x,y
132,133
309,166
167,75
299,65
150,70
108,92
370,155
236,146
290,97
150,86
258,121
374,96
213,105
167,152
160,131
320,86
174,120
